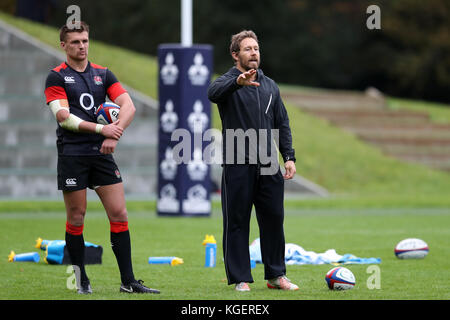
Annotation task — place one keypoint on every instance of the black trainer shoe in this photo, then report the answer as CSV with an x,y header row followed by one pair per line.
x,y
137,287
85,287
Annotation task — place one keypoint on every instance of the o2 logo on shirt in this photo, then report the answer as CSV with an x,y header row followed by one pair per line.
x,y
84,98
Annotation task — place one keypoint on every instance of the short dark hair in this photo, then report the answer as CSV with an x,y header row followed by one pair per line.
x,y
64,30
236,39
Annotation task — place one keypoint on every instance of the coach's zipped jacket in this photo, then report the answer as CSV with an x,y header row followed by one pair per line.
x,y
251,107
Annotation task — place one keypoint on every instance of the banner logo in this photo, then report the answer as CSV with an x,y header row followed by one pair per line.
x,y
169,71
198,73
169,118
168,199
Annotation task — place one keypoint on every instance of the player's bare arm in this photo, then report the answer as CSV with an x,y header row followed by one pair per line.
x,y
126,115
127,109
61,111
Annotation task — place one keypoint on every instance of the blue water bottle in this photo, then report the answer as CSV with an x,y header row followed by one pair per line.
x,y
173,261
210,255
24,257
42,244
210,251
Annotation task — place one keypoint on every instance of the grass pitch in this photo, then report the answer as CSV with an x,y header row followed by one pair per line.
x,y
392,201
362,232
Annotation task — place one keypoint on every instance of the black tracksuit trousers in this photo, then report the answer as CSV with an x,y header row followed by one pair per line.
x,y
242,187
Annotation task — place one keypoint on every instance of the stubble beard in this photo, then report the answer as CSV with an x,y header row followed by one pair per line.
x,y
246,64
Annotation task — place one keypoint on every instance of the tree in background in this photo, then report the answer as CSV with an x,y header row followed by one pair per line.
x,y
307,42
411,55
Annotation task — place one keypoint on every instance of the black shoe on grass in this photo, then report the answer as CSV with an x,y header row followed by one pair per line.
x,y
137,287
85,287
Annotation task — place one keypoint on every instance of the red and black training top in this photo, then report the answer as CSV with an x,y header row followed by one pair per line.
x,y
85,91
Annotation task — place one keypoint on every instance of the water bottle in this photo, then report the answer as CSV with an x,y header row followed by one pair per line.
x,y
42,244
210,251
24,257
210,255
173,261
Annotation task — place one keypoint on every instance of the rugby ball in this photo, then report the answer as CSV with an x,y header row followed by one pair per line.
x,y
107,113
411,248
340,278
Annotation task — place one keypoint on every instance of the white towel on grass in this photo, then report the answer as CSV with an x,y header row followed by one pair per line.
x,y
295,254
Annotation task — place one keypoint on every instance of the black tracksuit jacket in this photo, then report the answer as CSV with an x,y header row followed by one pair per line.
x,y
249,107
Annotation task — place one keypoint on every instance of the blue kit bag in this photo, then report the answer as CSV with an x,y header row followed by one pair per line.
x,y
56,252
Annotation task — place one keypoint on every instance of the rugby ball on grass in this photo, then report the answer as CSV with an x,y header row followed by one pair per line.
x,y
411,248
340,278
107,113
